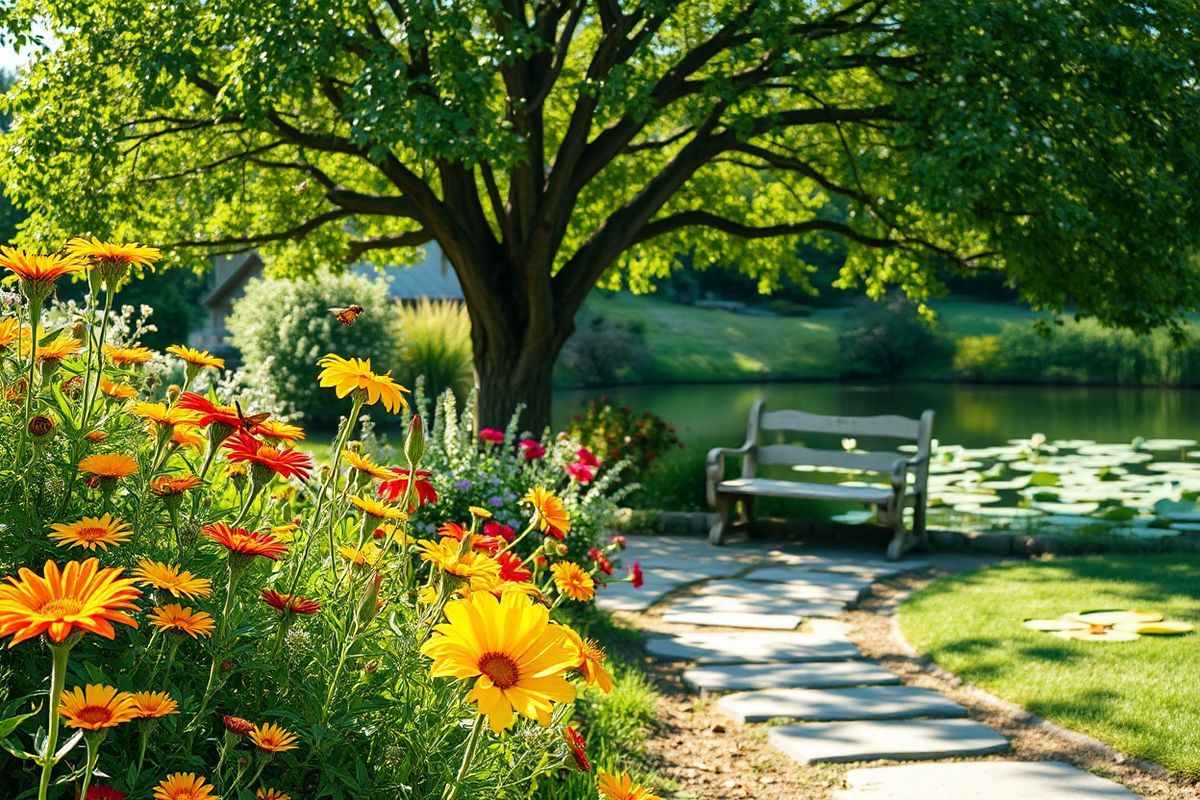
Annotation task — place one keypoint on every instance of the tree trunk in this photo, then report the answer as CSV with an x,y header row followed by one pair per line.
x,y
506,378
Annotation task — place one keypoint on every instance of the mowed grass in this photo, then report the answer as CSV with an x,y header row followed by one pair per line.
x,y
687,343
1140,697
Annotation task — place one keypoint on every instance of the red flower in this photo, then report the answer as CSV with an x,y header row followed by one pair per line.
x,y
578,749
580,471
209,412
236,724
618,540
586,457
453,530
499,530
510,567
531,449
101,792
242,542
290,604
541,560
284,462
601,561
422,492
635,573
491,435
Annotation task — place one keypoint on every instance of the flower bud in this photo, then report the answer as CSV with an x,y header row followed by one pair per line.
x,y
41,425
414,445
368,606
172,394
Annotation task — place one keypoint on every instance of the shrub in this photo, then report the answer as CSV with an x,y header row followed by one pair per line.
x,y
603,351
888,339
435,344
240,583
282,326
619,432
1080,352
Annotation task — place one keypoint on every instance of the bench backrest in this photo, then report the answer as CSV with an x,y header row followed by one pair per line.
x,y
890,426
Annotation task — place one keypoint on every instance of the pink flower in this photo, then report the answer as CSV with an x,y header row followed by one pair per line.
x,y
635,574
531,449
499,530
580,472
618,540
586,457
491,435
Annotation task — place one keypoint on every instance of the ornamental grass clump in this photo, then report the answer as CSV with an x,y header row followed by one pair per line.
x,y
237,621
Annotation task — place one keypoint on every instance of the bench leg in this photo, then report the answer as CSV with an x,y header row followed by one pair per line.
x,y
748,517
919,529
902,540
722,507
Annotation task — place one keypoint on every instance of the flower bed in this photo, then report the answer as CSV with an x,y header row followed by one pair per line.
x,y
194,610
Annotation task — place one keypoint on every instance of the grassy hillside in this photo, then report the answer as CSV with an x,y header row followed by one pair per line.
x,y
686,343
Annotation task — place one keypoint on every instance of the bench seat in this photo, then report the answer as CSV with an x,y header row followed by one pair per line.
x,y
810,491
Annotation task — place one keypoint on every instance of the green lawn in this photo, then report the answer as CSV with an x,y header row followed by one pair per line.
x,y
687,343
1139,697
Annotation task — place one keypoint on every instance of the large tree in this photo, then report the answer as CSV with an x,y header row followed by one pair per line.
x,y
548,145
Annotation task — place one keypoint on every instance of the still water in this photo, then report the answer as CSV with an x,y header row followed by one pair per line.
x,y
708,415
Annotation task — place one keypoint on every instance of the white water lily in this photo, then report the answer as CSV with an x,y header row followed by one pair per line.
x,y
849,444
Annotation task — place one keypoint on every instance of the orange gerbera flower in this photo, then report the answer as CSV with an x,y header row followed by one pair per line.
x,y
370,507
109,466
283,431
549,514
187,436
10,328
366,466
622,787
169,485
367,555
290,604
241,542
92,532
177,619
37,271
98,252
196,358
184,786
124,356
572,581
591,661
117,391
271,794
159,414
79,597
152,705
58,348
472,565
285,462
96,707
272,738
179,582
354,375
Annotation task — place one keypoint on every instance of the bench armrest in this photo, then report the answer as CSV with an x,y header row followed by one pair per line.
x,y
715,467
901,469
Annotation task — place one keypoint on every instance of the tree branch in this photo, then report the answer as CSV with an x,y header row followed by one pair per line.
x,y
407,239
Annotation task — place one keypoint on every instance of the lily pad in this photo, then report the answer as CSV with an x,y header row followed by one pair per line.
x,y
1166,627
1107,635
1059,624
1110,616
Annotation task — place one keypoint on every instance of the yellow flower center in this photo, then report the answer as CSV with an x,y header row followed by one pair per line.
x,y
500,668
61,607
93,715
91,534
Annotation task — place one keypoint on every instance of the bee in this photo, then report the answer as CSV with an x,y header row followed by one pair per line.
x,y
348,315
249,422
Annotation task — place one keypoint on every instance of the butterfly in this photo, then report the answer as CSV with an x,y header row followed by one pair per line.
x,y
347,315
249,422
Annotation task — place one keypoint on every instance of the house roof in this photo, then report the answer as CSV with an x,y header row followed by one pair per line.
x,y
230,276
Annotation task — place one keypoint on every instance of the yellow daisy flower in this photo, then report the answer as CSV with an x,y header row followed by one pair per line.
x,y
92,532
355,375
572,581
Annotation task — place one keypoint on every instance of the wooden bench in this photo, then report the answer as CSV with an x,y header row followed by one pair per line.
x,y
909,475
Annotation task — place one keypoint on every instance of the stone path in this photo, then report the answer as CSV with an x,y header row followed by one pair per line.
x,y
790,659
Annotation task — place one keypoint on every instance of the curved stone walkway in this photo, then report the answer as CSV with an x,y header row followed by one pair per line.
x,y
763,634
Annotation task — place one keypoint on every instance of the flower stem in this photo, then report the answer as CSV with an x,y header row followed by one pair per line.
x,y
93,740
468,758
58,679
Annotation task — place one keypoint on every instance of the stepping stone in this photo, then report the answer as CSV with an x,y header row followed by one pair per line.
x,y
740,648
777,676
817,600
981,780
739,612
821,584
898,740
821,705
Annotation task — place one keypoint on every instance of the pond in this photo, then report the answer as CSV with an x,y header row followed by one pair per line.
x,y
972,415
986,475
